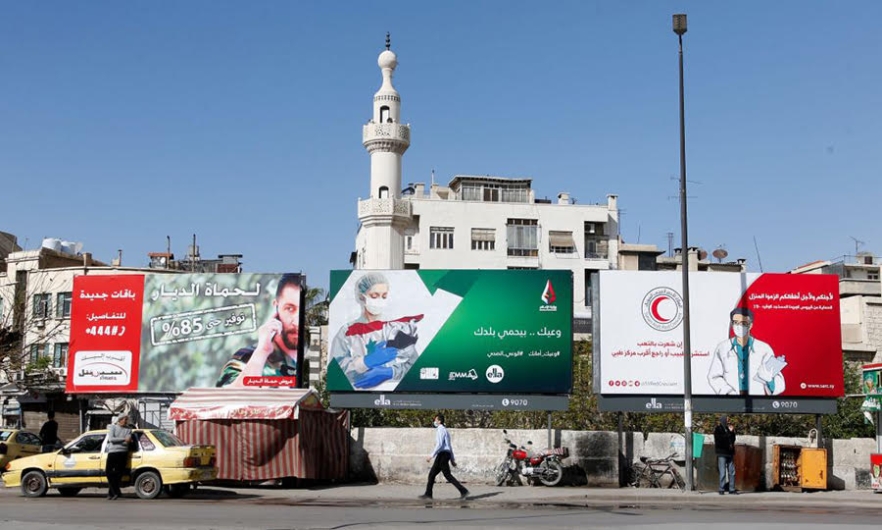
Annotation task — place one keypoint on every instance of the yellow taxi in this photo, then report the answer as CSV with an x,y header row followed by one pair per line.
x,y
158,461
16,444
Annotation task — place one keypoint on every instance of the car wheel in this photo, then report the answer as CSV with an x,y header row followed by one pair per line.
x,y
176,491
68,492
148,485
34,484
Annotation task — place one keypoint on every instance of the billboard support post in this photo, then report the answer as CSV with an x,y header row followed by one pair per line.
x,y
680,29
549,430
879,431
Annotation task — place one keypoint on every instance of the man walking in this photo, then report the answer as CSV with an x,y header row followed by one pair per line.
x,y
724,444
443,455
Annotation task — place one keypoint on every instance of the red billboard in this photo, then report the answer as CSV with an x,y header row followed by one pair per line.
x,y
105,334
160,332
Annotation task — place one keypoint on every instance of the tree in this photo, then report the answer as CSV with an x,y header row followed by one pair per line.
x,y
316,307
34,325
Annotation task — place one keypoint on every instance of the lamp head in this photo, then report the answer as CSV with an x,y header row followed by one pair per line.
x,y
680,24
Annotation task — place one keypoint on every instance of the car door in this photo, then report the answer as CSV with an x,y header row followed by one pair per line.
x,y
28,444
80,462
141,442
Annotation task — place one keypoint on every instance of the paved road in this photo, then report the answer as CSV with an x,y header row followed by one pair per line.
x,y
227,510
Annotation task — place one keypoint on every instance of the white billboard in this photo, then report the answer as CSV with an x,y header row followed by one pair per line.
x,y
751,334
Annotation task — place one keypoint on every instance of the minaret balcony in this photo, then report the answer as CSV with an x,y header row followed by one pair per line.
x,y
386,137
397,209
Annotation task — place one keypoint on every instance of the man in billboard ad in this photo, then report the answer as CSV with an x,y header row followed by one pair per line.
x,y
275,355
451,331
176,331
743,364
752,334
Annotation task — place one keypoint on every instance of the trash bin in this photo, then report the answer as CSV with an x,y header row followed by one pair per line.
x,y
876,471
697,445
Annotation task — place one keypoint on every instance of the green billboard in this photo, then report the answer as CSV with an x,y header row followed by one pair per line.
x,y
451,331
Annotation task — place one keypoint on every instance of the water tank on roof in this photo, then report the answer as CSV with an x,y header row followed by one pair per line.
x,y
52,244
71,247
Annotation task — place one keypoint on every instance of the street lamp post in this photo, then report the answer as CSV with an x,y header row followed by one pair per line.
x,y
680,29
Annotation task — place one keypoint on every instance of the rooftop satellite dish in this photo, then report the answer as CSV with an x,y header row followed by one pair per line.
x,y
702,254
720,254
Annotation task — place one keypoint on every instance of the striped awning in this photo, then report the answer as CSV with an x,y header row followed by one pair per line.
x,y
242,403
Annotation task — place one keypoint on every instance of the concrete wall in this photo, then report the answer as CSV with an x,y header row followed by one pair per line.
x,y
596,459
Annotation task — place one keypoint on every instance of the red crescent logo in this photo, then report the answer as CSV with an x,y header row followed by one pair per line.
x,y
654,309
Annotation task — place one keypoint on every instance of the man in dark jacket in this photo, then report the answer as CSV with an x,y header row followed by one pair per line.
x,y
49,433
724,444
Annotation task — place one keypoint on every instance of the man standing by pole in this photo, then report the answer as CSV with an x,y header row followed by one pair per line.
x,y
724,444
49,432
443,455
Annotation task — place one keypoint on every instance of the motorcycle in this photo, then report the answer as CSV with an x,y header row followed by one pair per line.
x,y
544,466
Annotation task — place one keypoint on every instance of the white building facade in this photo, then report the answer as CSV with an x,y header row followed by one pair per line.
x,y
860,303
475,222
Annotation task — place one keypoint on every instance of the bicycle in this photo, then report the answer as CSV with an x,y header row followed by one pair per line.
x,y
650,473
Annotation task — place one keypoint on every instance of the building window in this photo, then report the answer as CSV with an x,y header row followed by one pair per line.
x,y
871,275
523,237
62,305
60,357
560,242
384,192
593,229
441,237
41,305
646,262
38,350
494,193
384,114
589,300
412,239
483,239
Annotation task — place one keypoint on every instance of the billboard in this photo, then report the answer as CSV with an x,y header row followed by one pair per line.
x,y
161,332
751,334
871,386
451,331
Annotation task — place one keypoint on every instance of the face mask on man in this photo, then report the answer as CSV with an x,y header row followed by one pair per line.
x,y
375,306
740,330
436,423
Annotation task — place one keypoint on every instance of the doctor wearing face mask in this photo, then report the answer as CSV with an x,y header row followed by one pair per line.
x,y
372,350
744,365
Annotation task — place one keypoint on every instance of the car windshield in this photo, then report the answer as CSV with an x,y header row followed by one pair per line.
x,y
4,435
167,439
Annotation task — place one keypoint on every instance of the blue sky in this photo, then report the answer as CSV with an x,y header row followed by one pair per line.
x,y
124,122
